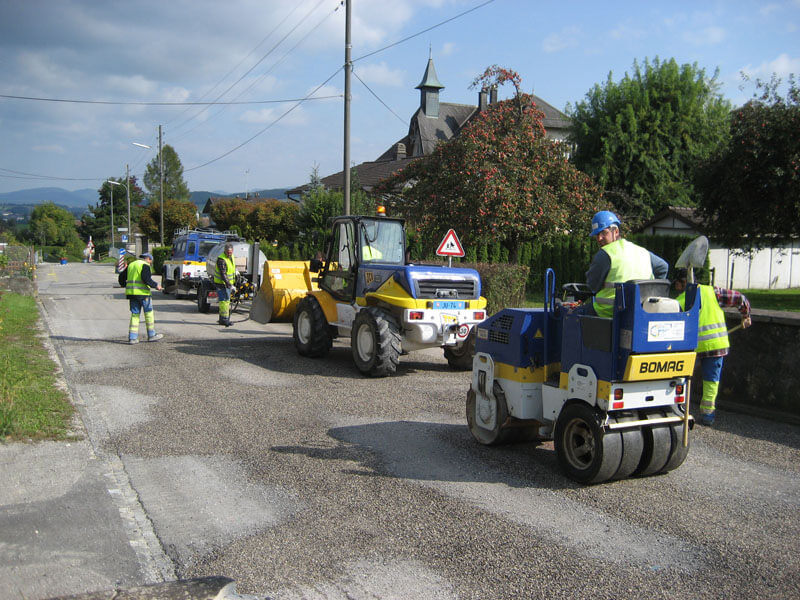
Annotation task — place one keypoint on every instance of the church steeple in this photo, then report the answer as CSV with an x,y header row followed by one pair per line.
x,y
429,91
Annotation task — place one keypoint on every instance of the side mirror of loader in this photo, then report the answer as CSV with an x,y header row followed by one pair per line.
x,y
315,265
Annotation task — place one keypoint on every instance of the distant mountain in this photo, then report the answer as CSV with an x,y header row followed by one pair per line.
x,y
80,199
77,199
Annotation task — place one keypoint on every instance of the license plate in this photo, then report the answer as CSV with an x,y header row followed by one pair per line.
x,y
449,304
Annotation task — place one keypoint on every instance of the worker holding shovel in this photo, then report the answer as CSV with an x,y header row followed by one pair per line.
x,y
712,336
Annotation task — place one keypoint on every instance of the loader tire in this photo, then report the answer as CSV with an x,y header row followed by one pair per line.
x,y
497,435
310,329
375,341
460,357
657,447
586,453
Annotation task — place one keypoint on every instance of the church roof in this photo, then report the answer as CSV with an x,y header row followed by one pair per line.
x,y
429,79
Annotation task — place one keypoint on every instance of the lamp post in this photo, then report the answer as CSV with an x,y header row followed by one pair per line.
x,y
160,182
113,183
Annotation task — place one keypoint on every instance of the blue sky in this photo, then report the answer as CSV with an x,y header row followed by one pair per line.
x,y
148,51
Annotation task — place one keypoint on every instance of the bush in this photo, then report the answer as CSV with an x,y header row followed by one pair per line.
x,y
502,285
160,254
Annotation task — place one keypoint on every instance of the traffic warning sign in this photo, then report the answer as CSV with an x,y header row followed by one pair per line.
x,y
450,245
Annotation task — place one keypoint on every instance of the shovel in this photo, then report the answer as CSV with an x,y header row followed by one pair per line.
x,y
694,256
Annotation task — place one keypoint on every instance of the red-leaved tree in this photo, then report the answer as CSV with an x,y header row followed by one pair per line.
x,y
499,180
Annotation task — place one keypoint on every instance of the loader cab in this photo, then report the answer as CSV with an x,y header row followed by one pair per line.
x,y
355,241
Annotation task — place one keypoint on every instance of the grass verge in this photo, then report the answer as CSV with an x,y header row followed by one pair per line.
x,y
774,299
31,405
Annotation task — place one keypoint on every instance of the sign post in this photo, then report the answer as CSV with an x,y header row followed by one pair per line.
x,y
121,261
450,247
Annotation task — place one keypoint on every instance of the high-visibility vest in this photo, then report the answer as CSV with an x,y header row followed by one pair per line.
x,y
230,271
134,286
712,332
628,261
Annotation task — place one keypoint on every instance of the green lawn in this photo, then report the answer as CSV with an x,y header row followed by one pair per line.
x,y
31,406
774,299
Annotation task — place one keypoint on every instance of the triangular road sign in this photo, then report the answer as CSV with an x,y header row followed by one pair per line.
x,y
450,245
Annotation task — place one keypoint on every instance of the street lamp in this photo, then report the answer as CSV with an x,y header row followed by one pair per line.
x,y
113,183
160,183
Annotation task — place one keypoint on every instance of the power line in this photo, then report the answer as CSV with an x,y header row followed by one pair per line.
x,y
378,98
432,27
159,103
269,35
261,77
247,141
271,50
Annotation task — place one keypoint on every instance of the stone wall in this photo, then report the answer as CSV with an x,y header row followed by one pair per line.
x,y
762,372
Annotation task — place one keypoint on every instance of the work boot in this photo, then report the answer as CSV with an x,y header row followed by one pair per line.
x,y
155,338
133,341
707,419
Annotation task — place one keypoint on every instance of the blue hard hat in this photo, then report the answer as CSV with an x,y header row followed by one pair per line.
x,y
146,255
603,220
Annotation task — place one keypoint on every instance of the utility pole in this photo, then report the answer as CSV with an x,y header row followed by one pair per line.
x,y
111,247
348,66
161,185
128,190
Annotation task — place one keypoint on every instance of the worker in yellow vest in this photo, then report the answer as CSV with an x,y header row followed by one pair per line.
x,y
224,279
712,336
137,280
617,261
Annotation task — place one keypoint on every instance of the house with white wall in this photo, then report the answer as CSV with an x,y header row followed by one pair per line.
x,y
771,268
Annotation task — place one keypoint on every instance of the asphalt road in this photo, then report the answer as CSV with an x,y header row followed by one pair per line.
x,y
299,478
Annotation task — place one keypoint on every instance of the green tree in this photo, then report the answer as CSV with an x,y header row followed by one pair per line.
x,y
642,137
51,225
319,205
97,221
232,214
499,180
273,220
177,215
751,188
175,187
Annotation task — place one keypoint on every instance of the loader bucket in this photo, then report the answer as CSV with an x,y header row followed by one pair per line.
x,y
284,284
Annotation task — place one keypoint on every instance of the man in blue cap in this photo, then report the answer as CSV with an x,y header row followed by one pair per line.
x,y
137,280
617,261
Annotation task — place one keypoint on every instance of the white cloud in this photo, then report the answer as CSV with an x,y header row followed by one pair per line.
x,y
448,48
326,90
380,74
768,9
129,129
140,88
175,94
41,71
626,31
782,66
705,36
263,115
282,114
566,38
52,148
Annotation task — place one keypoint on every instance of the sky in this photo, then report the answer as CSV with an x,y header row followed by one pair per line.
x,y
225,80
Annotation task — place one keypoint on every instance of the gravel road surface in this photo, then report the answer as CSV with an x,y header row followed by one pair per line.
x,y
300,478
